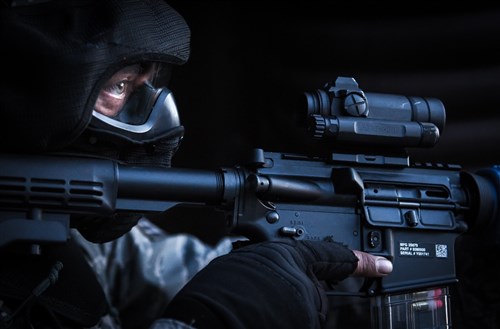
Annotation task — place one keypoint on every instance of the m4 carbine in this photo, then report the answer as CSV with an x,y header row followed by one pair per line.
x,y
365,193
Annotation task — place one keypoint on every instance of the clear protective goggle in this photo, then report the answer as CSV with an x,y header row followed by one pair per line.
x,y
135,104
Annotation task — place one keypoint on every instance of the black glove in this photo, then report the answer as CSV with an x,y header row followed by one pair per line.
x,y
273,284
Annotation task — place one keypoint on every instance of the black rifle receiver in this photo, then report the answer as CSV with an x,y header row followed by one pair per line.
x,y
368,196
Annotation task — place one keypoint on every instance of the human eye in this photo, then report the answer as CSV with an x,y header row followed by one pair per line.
x,y
115,93
118,89
113,96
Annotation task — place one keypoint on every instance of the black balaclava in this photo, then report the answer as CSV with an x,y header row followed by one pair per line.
x,y
62,54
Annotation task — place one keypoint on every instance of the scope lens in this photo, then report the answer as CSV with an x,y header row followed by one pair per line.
x,y
317,102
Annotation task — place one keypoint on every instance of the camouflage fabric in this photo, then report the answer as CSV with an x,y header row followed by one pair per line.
x,y
142,271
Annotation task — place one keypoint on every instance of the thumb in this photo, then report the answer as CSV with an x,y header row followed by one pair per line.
x,y
371,266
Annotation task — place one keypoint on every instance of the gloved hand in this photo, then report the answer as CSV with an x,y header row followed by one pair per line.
x,y
273,284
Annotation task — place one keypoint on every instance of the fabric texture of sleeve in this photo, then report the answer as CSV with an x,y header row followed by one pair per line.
x,y
143,270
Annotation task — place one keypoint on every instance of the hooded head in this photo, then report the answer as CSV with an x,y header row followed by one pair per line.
x,y
88,77
62,57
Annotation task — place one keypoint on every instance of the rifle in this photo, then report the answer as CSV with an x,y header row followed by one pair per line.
x,y
365,193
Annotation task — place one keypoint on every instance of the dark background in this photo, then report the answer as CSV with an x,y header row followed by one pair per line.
x,y
251,61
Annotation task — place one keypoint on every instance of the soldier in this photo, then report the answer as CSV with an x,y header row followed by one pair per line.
x,y
88,78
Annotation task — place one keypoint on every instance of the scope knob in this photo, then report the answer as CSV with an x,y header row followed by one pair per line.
x,y
317,125
355,104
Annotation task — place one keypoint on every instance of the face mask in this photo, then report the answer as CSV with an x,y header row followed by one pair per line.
x,y
135,122
135,118
132,105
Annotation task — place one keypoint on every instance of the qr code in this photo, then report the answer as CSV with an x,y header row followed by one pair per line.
x,y
441,250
